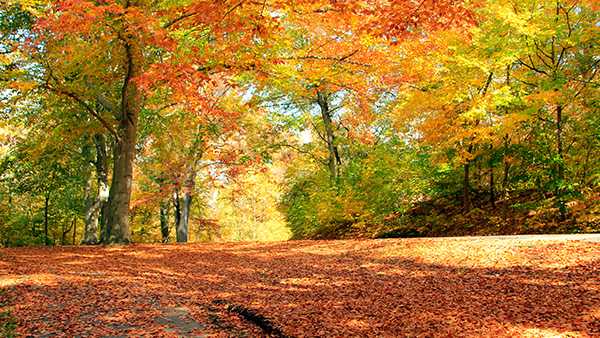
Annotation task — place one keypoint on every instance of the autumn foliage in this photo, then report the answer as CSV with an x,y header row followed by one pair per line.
x,y
474,287
137,121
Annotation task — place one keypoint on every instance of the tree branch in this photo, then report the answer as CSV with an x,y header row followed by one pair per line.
x,y
532,67
343,59
87,107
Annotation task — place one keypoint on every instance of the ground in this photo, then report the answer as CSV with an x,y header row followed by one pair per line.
x,y
473,286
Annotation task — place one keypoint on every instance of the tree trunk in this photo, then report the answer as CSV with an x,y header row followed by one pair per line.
x,y
561,164
492,188
492,179
188,190
74,231
334,161
506,170
466,183
177,213
63,238
559,143
96,199
164,221
124,152
102,182
480,177
46,206
104,230
92,212
120,190
466,188
183,228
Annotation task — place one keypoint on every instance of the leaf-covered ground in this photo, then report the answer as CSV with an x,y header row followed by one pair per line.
x,y
417,287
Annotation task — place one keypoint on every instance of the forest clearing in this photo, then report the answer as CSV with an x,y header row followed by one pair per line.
x,y
538,286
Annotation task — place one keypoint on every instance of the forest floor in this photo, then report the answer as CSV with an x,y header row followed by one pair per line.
x,y
476,286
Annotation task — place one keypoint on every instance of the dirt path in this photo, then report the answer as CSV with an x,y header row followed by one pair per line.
x,y
485,286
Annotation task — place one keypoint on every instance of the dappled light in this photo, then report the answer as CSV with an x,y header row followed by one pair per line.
x,y
366,288
305,168
484,253
38,279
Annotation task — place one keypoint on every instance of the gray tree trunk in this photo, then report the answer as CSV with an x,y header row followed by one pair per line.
x,y
102,182
183,227
467,183
177,213
96,198
164,221
560,192
506,170
188,190
124,152
120,189
559,142
334,161
46,209
92,213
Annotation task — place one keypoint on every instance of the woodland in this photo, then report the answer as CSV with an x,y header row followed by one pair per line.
x,y
294,145
178,120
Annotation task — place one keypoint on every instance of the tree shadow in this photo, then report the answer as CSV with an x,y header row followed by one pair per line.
x,y
306,288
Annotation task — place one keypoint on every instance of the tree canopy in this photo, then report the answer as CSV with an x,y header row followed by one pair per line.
x,y
151,121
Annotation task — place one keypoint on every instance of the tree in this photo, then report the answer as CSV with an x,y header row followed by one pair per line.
x,y
105,57
481,86
371,108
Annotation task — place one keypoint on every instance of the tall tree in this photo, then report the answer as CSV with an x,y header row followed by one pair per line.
x,y
109,54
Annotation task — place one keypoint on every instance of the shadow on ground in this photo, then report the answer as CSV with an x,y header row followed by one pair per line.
x,y
358,288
